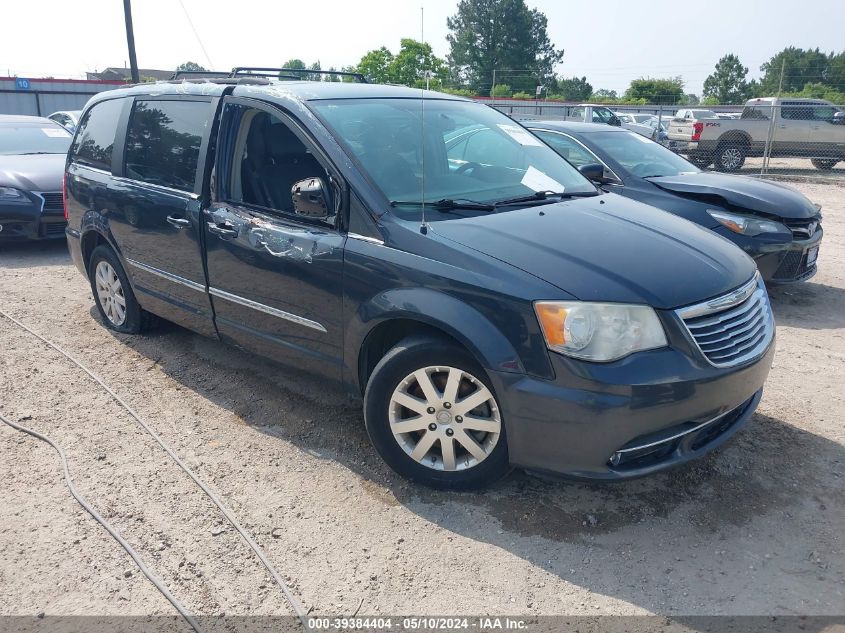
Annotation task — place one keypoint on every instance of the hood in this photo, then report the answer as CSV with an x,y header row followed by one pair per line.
x,y
36,172
762,196
608,248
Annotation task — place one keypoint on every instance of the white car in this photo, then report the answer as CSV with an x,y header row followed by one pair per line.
x,y
636,122
68,119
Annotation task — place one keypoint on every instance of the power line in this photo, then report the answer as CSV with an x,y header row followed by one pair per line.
x,y
197,35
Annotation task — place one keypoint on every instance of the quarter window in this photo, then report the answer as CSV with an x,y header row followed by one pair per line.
x,y
95,138
163,142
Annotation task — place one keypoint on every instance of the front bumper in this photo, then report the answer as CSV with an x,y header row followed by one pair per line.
x,y
28,223
779,262
633,417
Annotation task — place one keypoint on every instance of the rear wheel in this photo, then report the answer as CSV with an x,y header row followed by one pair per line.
x,y
433,416
824,164
113,295
730,157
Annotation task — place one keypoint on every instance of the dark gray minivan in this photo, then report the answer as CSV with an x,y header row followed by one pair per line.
x,y
490,305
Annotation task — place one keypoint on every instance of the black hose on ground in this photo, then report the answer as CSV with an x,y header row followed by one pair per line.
x,y
159,584
294,602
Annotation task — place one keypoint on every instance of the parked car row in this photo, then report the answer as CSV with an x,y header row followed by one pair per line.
x,y
497,296
775,224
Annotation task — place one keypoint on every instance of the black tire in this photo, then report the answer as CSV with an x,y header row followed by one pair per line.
x,y
700,161
135,319
399,363
824,164
730,157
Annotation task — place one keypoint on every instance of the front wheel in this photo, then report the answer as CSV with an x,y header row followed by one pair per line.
x,y
824,164
433,416
730,157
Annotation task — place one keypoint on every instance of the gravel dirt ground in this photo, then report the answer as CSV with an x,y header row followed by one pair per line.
x,y
795,169
756,528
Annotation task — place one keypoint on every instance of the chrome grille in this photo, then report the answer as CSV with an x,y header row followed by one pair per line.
x,y
734,328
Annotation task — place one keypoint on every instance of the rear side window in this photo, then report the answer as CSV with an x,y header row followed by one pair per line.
x,y
95,139
163,142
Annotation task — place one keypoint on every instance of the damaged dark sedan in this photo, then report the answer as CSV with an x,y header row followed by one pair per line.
x,y
32,159
775,224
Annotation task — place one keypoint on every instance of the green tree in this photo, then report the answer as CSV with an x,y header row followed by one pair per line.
x,y
501,90
333,78
349,69
657,91
573,89
819,91
376,65
501,35
414,59
603,95
189,66
315,76
835,77
294,63
727,84
800,67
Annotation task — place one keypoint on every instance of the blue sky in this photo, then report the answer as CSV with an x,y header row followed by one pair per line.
x,y
610,42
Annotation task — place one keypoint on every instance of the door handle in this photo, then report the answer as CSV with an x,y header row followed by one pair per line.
x,y
224,230
179,223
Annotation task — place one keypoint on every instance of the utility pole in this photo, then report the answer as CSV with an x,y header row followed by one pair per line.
x,y
130,41
493,89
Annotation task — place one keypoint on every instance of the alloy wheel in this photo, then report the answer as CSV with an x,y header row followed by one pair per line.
x,y
731,158
110,293
444,418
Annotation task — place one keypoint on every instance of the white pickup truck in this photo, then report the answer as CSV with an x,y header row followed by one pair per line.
x,y
804,128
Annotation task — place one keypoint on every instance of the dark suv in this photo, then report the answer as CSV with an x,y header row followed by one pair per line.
x,y
493,308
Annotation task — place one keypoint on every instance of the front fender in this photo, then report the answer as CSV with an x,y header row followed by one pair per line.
x,y
437,309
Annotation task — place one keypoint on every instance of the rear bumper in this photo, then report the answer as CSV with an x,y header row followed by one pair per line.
x,y
683,146
646,413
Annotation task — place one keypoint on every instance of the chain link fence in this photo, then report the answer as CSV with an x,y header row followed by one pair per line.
x,y
786,138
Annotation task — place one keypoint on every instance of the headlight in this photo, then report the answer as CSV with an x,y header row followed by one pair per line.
x,y
10,194
746,224
599,331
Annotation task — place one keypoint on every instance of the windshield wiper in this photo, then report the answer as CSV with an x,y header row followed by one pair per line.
x,y
545,196
446,204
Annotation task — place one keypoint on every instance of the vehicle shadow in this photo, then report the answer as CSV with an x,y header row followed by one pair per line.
x,y
601,537
809,305
25,254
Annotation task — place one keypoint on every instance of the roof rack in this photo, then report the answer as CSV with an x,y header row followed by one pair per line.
x,y
295,74
198,74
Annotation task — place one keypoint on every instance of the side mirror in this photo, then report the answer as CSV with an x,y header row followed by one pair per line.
x,y
838,118
593,172
310,198
615,120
